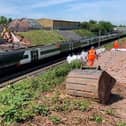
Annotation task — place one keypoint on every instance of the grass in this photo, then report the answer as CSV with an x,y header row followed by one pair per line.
x,y
110,112
62,105
39,37
84,33
55,119
97,118
18,102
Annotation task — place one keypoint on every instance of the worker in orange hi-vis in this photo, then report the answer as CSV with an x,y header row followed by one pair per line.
x,y
116,44
91,56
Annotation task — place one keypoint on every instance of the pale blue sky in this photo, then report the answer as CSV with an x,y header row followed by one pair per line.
x,y
77,10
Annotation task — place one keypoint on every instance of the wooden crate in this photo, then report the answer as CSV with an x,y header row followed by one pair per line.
x,y
90,83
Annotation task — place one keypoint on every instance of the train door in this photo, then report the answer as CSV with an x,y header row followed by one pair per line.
x,y
70,46
34,55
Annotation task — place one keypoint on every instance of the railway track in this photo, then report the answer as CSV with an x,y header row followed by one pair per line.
x,y
32,72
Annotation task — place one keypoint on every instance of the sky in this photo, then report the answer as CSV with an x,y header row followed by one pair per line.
x,y
74,10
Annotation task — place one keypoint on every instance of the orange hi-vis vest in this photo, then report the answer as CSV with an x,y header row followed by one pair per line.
x,y
91,54
116,44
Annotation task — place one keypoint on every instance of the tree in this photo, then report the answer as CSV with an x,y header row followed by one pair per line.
x,y
105,26
92,22
101,27
84,25
4,20
9,20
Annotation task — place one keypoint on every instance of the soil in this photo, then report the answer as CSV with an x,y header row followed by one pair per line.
x,y
79,118
112,114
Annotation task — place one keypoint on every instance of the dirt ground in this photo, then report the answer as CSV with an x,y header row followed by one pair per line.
x,y
114,117
114,62
113,114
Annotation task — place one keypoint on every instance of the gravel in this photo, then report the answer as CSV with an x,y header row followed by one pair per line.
x,y
113,62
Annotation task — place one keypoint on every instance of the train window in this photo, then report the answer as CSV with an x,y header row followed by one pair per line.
x,y
48,51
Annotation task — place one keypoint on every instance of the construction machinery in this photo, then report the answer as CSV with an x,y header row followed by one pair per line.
x,y
13,39
90,82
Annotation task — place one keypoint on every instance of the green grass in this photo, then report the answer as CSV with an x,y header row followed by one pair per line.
x,y
18,101
84,33
43,37
39,37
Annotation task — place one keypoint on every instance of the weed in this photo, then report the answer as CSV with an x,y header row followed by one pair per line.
x,y
96,118
42,110
56,98
110,112
82,105
121,123
55,119
61,107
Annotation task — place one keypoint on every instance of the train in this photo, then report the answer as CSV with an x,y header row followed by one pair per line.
x,y
28,55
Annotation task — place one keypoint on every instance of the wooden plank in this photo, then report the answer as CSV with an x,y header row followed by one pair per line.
x,y
82,87
76,83
82,81
86,72
81,93
84,76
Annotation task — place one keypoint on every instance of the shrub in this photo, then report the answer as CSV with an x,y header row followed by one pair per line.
x,y
96,118
55,119
82,105
42,110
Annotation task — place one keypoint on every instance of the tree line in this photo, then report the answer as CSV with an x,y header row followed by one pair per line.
x,y
4,20
101,27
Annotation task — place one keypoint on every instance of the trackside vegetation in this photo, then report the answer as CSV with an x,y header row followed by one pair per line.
x,y
18,102
38,37
84,33
101,27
